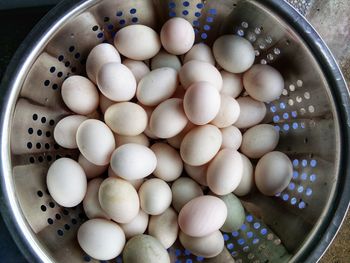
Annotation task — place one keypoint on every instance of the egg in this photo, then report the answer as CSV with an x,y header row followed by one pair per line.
x,y
138,68
95,141
65,131
91,170
273,173
202,216
119,199
145,249
197,173
165,60
197,71
148,132
66,182
101,54
157,86
184,190
228,113
164,227
177,36
135,183
201,52
224,256
201,145
263,83
247,182
126,118
80,95
232,84
168,119
202,103
231,138
137,42
233,53
176,140
91,204
235,213
116,82
138,139
225,172
169,163
252,112
155,196
105,103
95,232
137,226
207,247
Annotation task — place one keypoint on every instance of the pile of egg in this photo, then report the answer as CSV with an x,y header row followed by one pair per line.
x,y
164,159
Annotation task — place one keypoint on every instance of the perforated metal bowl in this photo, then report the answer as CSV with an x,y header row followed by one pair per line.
x,y
312,116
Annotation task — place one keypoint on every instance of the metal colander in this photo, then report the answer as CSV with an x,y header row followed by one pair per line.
x,y
312,116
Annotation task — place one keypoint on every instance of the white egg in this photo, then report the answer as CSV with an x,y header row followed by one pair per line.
x,y
232,84
66,182
184,190
135,183
197,173
247,183
91,170
235,213
138,68
252,112
177,140
105,103
201,52
65,131
231,138
165,60
138,139
228,114
137,226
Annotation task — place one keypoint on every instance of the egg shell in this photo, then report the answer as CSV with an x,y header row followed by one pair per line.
x,y
233,53
138,139
231,138
95,141
101,54
65,131
177,140
91,204
137,226
224,256
155,196
137,42
168,119
235,213
197,173
119,199
273,173
157,86
200,52
202,103
165,60
91,170
164,227
116,82
263,83
66,182
184,190
105,103
145,249
80,95
95,232
232,84
177,36
225,172
247,182
138,68
135,183
228,113
200,145
207,247
202,216
252,112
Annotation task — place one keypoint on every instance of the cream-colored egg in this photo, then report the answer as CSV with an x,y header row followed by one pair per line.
x,y
177,140
168,119
225,172
80,95
138,139
155,196
233,53
95,232
252,112
119,199
273,173
91,204
169,163
65,131
137,42
101,54
184,190
202,216
137,226
164,227
95,141
165,60
126,118
228,113
201,52
177,36
105,103
91,170
207,247
196,71
138,68
200,145
157,86
197,173
116,82
235,213
247,183
232,84
66,182
202,103
133,161
135,183
231,138
263,83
